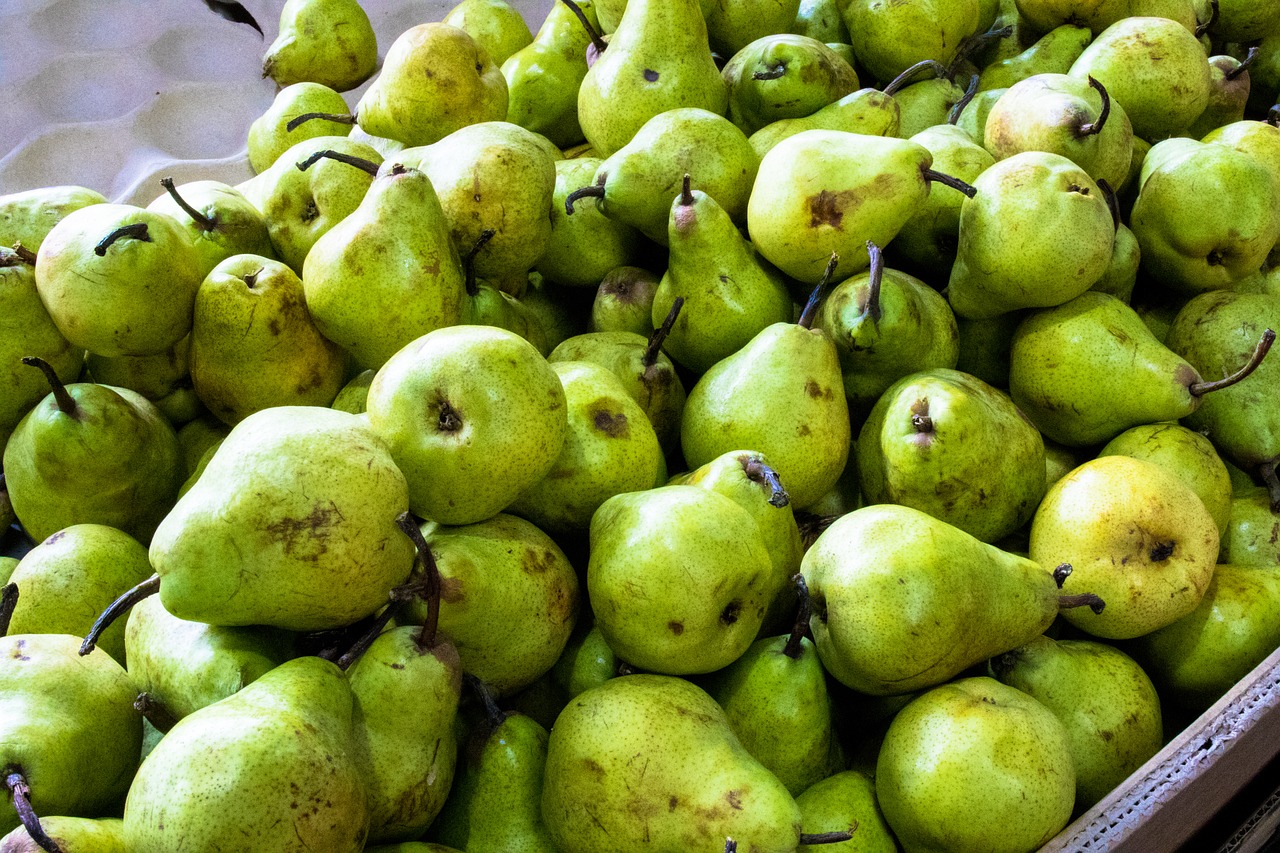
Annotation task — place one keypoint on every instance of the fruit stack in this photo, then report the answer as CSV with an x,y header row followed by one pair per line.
x,y
651,435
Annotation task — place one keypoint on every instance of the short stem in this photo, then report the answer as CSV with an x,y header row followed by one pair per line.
x,y
17,785
954,183
155,713
758,471
202,221
27,256
596,39
1094,127
1113,202
922,423
1199,389
1273,116
659,335
431,587
8,601
469,263
730,846
686,192
1201,29
593,191
1081,599
896,85
1270,479
251,280
1061,573
825,837
803,611
953,117
971,44
491,710
298,121
1244,64
815,299
773,73
66,403
116,609
329,154
874,309
136,231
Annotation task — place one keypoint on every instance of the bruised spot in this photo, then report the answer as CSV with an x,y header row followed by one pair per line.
x,y
734,799
730,613
451,590
651,75
397,666
672,803
676,628
816,391
537,561
828,208
594,767
310,532
612,424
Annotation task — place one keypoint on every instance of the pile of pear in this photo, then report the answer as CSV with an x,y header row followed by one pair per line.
x,y
697,426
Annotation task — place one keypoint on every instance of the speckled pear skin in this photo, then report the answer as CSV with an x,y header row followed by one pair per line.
x,y
27,216
268,137
651,760
812,76
781,395
1066,365
846,801
1136,535
323,41
975,766
543,76
1252,537
411,847
291,525
409,758
949,444
67,723
495,25
239,227
1105,701
72,834
473,415
889,620
679,578
184,666
868,111
272,768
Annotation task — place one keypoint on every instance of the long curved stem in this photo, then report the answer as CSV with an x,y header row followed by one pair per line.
x,y
66,403
815,299
953,117
597,40
1095,127
874,309
1083,599
1244,63
329,154
1199,389
897,83
299,120
659,335
203,222
593,191
816,838
804,610
954,183
135,231
21,793
431,580
116,609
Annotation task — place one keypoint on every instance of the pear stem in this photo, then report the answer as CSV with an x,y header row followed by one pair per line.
x,y
686,192
1244,64
328,153
431,587
469,263
897,84
596,40
971,44
803,612
953,117
659,335
496,715
825,837
66,403
8,601
203,222
593,191
1273,116
758,471
773,73
874,309
365,640
116,609
155,713
1095,127
17,785
730,846
1081,599
954,183
1267,471
815,299
26,255
922,423
1201,29
251,280
1199,389
1113,202
137,231
1061,573
299,120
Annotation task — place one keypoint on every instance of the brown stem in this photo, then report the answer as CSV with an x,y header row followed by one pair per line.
x,y
815,299
1061,573
1081,599
1094,127
1273,116
251,280
825,837
593,191
116,609
431,587
328,153
469,262
137,231
1201,29
773,73
686,194
954,183
596,40
495,715
758,471
1244,64
730,846
8,601
155,713
971,44
873,308
17,785
1113,202
66,403
659,335
1199,389
953,117
803,611
895,85
203,222
1270,479
26,255
922,423
299,120
365,640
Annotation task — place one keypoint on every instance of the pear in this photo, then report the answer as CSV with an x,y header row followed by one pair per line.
x,y
544,76
587,661
624,301
276,131
163,378
1253,531
972,118
355,394
930,102
1228,93
1053,53
866,111
784,76
322,41
945,781
463,86
292,525
733,26
847,799
27,216
1148,546
219,219
658,59
889,38
1259,139
820,19
1238,21
279,755
679,578
496,26
72,835
699,784
393,258
583,248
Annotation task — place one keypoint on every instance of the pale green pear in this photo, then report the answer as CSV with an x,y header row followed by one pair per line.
x,y
543,77
354,396
270,135
587,661
322,41
27,216
583,248
624,301
820,19
888,38
496,26
163,378
866,111
1252,537
1054,53
72,835
732,26
847,801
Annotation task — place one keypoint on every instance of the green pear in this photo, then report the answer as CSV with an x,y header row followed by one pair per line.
x,y
1253,531
586,662
322,41
543,77
292,525
1228,95
485,305
391,258
700,786
658,59
1259,139
463,86
561,312
975,765
27,216
1147,545
866,111
1054,53
196,437
72,835
820,19
733,25
973,115
354,396
243,362
1104,700
163,378
70,731
1121,276
624,301
275,131
71,577
889,38
846,800
583,248
928,103
496,26
280,755
784,76
219,219
679,578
